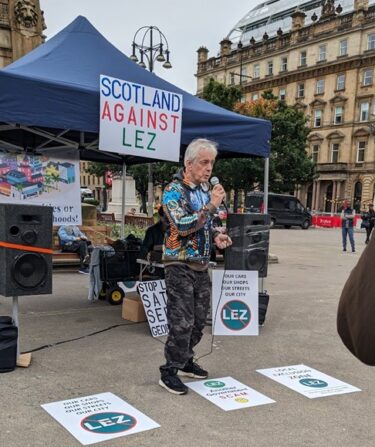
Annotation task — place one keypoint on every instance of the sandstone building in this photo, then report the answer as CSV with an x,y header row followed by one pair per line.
x,y
318,56
21,28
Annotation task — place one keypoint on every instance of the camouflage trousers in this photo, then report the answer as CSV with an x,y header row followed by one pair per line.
x,y
188,302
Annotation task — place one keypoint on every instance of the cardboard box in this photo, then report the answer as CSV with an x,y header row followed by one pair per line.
x,y
132,309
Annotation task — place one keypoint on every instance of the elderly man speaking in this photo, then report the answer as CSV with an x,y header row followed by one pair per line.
x,y
189,206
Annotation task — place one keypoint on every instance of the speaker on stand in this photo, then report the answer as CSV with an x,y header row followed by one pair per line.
x,y
250,234
25,254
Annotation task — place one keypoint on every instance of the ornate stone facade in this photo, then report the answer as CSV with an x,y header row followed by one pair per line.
x,y
327,69
21,29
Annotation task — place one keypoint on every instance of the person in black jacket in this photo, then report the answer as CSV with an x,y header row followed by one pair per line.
x,y
154,237
368,220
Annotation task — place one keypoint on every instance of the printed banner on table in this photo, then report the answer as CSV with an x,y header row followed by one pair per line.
x,y
235,302
308,381
139,120
228,393
29,179
99,417
154,298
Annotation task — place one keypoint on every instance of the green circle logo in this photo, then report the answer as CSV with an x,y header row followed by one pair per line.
x,y
235,315
108,422
313,383
214,384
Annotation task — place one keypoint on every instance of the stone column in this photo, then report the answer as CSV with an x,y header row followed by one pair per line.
x,y
317,195
313,196
333,196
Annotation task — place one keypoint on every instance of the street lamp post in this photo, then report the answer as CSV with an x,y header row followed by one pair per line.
x,y
152,46
240,74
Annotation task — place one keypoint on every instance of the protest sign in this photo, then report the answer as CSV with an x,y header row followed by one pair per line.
x,y
99,417
29,179
235,302
139,120
229,394
308,381
154,299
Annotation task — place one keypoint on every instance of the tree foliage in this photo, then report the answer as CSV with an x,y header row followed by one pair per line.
x,y
289,162
221,95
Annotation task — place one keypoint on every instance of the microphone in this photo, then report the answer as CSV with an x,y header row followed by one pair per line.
x,y
215,181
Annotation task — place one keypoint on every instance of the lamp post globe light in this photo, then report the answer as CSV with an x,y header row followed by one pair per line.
x,y
152,46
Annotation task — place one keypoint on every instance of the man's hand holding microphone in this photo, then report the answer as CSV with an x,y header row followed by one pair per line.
x,y
222,240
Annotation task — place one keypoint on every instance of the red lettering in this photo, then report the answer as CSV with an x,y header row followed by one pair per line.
x,y
106,111
151,119
119,113
132,118
163,121
174,118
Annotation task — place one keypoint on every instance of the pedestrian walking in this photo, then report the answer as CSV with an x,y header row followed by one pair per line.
x,y
347,224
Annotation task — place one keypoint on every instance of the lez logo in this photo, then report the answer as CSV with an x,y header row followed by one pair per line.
x,y
313,383
235,315
111,422
214,384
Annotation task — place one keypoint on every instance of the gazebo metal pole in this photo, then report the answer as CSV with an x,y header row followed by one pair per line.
x,y
123,200
265,205
265,187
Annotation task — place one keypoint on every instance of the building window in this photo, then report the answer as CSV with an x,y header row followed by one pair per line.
x,y
270,67
243,74
256,71
322,53
300,90
319,86
364,109
315,153
338,115
303,58
255,96
335,152
282,94
361,147
317,118
284,64
371,42
343,49
367,77
340,82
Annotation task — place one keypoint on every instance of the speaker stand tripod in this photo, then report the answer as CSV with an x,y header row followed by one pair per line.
x,y
23,360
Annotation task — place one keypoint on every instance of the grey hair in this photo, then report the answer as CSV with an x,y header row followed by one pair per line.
x,y
197,145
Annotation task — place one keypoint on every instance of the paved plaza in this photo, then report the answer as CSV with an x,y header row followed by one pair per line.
x,y
304,289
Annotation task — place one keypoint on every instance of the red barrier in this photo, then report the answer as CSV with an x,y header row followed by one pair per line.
x,y
329,221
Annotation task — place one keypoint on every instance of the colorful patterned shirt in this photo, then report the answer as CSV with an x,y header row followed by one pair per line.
x,y
189,236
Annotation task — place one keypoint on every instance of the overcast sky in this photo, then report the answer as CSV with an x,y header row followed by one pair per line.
x,y
186,24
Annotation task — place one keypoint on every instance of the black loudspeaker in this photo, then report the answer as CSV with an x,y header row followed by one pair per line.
x,y
8,344
250,234
25,250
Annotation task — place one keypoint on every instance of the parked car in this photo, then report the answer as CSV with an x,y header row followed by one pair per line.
x,y
284,209
86,193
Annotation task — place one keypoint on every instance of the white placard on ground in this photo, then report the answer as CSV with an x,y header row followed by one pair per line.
x,y
139,120
308,381
154,298
99,417
228,393
235,302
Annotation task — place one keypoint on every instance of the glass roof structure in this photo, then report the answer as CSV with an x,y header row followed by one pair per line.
x,y
274,14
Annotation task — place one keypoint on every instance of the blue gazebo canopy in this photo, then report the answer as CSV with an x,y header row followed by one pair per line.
x,y
50,99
